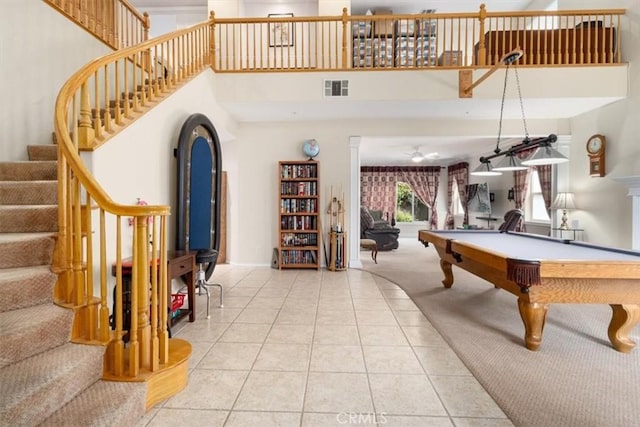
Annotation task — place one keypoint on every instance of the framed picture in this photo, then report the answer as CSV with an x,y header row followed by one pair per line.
x,y
280,33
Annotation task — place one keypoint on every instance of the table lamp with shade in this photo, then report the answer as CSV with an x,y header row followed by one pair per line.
x,y
564,201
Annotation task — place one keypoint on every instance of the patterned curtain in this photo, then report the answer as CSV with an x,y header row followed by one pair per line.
x,y
378,189
520,189
424,181
460,174
544,176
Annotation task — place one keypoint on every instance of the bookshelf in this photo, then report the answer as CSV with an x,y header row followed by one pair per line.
x,y
299,238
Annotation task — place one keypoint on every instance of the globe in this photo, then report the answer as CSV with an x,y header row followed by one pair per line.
x,y
311,148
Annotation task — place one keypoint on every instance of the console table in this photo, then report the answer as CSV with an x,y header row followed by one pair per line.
x,y
179,264
489,219
559,233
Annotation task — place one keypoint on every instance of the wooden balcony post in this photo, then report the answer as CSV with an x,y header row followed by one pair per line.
x,y
146,24
212,39
345,28
482,49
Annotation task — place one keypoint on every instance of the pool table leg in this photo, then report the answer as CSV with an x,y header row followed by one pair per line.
x,y
625,317
533,316
448,273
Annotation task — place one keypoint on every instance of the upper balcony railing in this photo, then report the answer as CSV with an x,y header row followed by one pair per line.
x,y
419,41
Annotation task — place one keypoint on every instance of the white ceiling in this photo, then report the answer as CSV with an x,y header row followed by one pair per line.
x,y
396,150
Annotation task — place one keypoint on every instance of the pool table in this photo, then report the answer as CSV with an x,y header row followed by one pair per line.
x,y
542,270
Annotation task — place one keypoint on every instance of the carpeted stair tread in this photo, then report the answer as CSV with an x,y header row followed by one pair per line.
x,y
26,250
44,378
32,330
36,387
105,403
42,152
28,218
28,192
29,170
26,286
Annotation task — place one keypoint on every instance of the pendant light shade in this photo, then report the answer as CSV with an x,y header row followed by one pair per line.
x,y
545,155
509,162
485,169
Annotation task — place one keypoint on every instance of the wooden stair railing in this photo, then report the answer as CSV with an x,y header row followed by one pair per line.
x,y
95,103
115,22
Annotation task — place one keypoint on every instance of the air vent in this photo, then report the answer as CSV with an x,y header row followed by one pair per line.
x,y
336,88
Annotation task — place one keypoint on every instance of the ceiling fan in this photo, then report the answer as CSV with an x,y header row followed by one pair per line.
x,y
417,156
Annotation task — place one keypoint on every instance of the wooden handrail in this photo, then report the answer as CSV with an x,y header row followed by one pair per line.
x,y
115,22
96,102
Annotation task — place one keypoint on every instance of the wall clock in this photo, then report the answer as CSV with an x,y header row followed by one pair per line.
x,y
596,151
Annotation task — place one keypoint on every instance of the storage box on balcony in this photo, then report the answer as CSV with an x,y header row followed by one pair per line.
x,y
405,27
426,44
405,59
426,61
427,27
362,47
450,58
383,52
404,42
363,62
362,29
383,27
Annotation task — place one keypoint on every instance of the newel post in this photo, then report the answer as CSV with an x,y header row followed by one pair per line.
x,y
212,39
482,49
86,133
345,28
141,285
146,23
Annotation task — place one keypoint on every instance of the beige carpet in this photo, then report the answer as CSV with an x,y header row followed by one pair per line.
x,y
575,379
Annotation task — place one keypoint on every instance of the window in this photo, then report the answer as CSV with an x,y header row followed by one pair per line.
x,y
457,208
535,209
409,207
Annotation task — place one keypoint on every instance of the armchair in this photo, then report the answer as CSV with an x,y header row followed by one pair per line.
x,y
512,220
385,235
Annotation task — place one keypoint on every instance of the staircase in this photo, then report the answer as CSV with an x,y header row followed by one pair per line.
x,y
45,379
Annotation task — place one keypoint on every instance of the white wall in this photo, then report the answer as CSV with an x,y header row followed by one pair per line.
x,y
604,209
35,61
139,161
259,148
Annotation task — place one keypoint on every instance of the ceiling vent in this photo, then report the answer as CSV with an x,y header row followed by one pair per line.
x,y
336,88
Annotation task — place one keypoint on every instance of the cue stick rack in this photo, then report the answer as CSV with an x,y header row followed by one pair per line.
x,y
337,235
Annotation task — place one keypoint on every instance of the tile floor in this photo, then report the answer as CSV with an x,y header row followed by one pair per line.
x,y
319,348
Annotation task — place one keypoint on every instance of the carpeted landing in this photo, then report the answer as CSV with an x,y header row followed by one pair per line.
x,y
576,378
